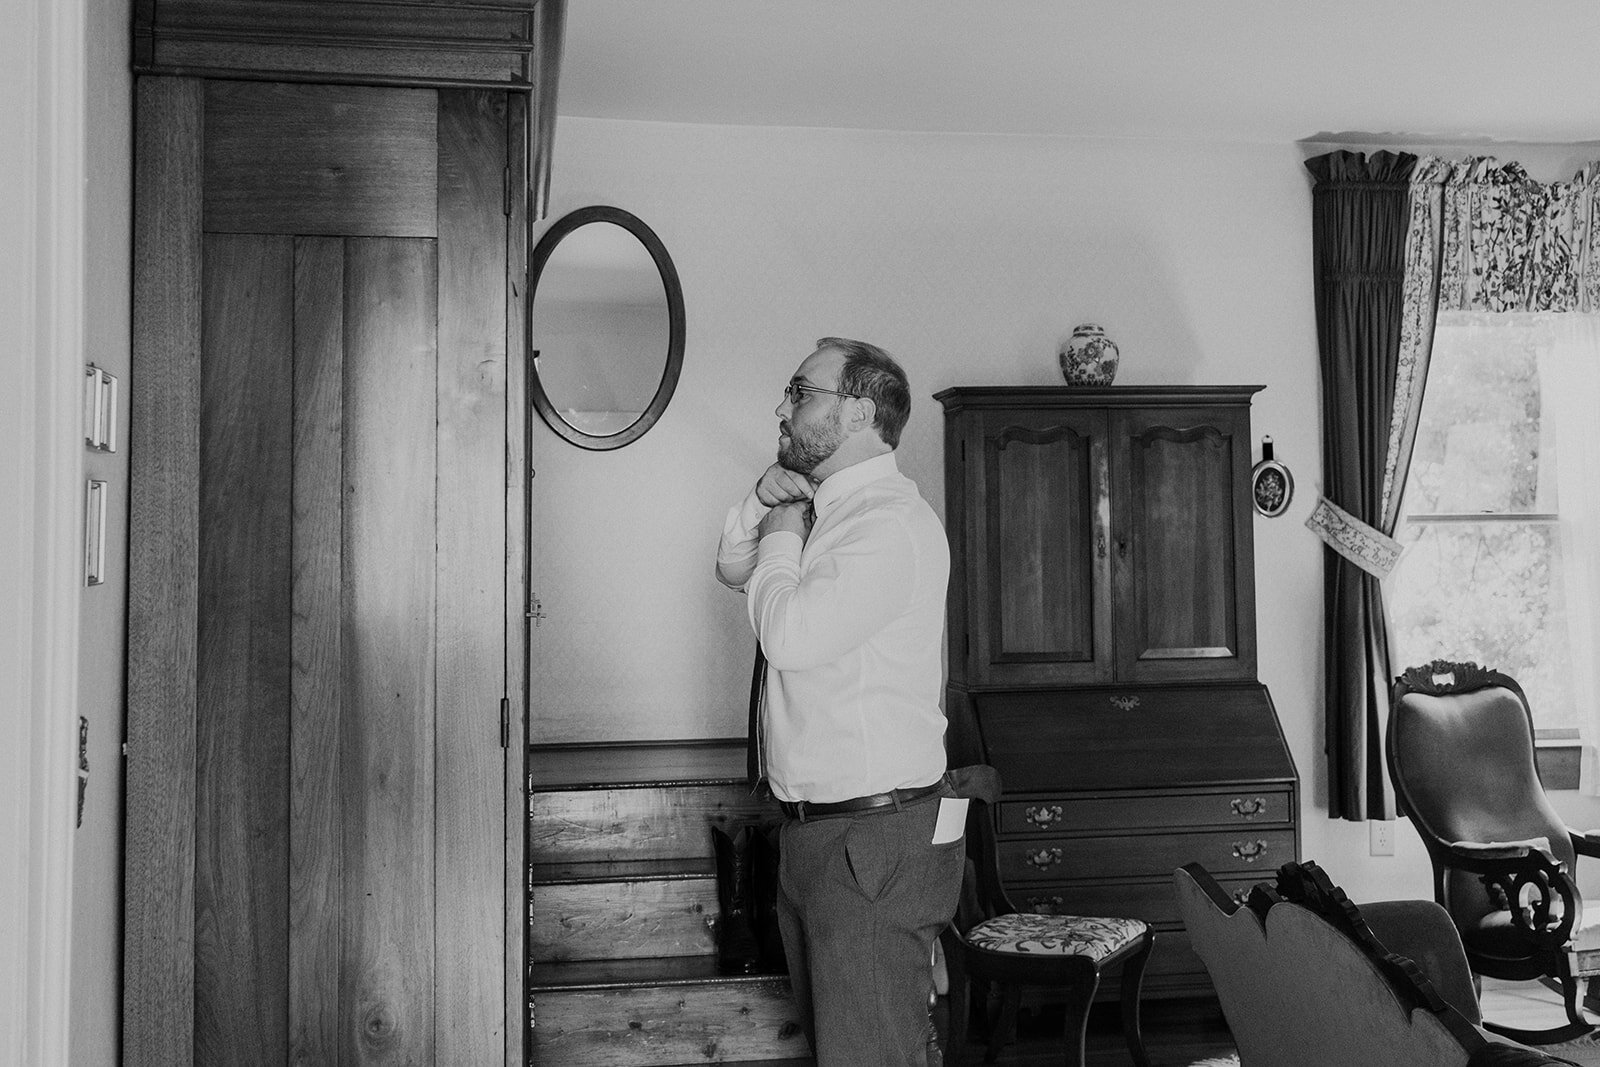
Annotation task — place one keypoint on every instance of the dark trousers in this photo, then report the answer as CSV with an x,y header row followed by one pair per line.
x,y
861,899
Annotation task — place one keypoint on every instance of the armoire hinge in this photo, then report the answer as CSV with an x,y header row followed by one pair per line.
x,y
505,722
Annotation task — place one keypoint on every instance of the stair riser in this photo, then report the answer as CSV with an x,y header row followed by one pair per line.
x,y
638,823
622,920
666,1024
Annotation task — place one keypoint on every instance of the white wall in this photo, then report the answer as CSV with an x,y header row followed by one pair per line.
x,y
971,258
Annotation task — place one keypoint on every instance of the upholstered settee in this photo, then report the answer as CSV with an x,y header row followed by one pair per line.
x,y
1307,979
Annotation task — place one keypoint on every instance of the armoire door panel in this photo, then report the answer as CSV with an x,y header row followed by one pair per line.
x,y
242,758
470,849
1178,545
1044,474
320,159
316,809
388,612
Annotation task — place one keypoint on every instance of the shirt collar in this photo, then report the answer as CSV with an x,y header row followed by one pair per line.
x,y
839,484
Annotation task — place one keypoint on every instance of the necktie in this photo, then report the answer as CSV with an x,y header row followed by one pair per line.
x,y
753,765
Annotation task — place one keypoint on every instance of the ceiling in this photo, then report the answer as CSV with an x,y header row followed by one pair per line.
x,y
1269,71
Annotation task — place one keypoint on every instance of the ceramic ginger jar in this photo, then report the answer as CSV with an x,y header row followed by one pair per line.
x,y
1089,357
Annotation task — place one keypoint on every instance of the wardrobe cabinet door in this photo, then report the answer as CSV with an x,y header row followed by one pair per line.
x,y
1040,583
1182,545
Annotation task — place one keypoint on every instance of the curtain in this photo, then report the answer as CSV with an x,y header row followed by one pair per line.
x,y
1361,215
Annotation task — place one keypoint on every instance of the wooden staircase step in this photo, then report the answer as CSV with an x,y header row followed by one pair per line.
x,y
647,1012
630,870
638,822
624,918
610,764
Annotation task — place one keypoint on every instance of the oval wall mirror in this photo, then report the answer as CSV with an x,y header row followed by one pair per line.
x,y
606,323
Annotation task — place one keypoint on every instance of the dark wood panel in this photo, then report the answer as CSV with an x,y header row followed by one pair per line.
x,y
1040,594
1153,901
320,159
316,819
388,630
1183,545
241,765
470,566
1054,859
349,21
163,562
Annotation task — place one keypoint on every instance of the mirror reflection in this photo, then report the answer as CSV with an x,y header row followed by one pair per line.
x,y
606,327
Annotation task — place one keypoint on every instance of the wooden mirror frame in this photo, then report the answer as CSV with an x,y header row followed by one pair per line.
x,y
674,363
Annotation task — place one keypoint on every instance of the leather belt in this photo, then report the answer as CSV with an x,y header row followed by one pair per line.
x,y
803,810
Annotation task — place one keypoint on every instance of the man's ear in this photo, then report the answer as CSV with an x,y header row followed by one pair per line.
x,y
866,412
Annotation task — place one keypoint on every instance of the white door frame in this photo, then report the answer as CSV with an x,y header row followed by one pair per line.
x,y
42,72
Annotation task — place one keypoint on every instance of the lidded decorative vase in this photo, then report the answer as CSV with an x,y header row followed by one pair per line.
x,y
1089,357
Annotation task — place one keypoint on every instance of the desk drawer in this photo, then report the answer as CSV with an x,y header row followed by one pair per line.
x,y
1154,902
1244,807
1055,859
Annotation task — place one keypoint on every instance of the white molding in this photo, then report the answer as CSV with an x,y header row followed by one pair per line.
x,y
42,73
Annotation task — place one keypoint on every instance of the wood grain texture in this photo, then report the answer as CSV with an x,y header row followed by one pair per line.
x,y
470,567
387,725
643,919
1134,855
642,823
320,159
163,561
316,700
241,765
714,1023
422,65
516,479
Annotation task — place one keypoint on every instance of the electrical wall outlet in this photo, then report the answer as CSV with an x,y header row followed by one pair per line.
x,y
1381,836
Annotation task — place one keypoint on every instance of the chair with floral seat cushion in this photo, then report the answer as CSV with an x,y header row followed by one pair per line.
x,y
991,942
1460,749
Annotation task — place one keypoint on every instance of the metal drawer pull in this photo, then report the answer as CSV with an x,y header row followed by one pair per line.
x,y
1249,851
1042,816
1241,897
1125,703
1047,905
1045,857
1248,808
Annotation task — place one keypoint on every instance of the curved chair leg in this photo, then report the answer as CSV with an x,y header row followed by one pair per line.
x,y
1079,998
1132,984
1002,1027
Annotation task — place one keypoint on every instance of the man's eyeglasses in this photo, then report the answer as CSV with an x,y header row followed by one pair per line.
x,y
795,392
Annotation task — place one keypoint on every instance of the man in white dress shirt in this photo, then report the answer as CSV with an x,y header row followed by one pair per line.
x,y
845,567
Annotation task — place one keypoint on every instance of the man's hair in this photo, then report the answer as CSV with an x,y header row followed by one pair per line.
x,y
871,372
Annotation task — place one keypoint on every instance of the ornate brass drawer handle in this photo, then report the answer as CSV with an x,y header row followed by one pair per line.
x,y
1045,857
1042,816
1248,807
1125,703
1047,905
1241,897
1249,851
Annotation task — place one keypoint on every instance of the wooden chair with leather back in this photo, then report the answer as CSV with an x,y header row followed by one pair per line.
x,y
990,941
1460,749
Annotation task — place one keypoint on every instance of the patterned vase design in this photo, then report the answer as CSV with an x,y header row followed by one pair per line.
x,y
1089,357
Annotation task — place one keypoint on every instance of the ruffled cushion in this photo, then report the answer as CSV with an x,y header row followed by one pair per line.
x,y
1061,935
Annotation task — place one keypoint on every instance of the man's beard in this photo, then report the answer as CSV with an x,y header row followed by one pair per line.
x,y
809,446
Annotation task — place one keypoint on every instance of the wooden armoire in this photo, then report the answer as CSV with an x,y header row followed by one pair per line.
x,y
1103,648
326,684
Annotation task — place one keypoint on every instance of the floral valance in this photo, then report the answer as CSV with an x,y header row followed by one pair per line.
x,y
1514,244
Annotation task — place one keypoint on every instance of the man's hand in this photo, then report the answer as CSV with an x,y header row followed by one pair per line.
x,y
780,485
794,516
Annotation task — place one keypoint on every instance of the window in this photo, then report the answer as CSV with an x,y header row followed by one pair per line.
x,y
1497,519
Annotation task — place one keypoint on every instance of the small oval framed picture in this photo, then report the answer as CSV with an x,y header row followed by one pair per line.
x,y
1271,484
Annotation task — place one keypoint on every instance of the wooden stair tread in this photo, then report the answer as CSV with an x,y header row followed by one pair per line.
x,y
604,765
601,871
632,973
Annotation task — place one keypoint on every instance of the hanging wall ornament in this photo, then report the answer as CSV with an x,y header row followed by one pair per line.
x,y
1271,484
